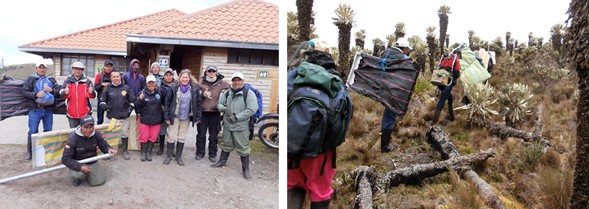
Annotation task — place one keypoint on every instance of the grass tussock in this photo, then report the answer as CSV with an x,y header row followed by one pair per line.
x,y
463,193
556,187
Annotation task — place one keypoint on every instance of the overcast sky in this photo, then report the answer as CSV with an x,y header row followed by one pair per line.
x,y
488,19
26,21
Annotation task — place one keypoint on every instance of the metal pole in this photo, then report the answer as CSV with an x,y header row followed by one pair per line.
x,y
54,168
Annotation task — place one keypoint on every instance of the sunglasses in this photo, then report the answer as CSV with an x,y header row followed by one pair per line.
x,y
211,71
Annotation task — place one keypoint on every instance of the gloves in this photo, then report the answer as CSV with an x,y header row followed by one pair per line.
x,y
103,106
232,119
129,111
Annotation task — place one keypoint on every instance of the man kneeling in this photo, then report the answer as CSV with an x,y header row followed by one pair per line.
x,y
81,144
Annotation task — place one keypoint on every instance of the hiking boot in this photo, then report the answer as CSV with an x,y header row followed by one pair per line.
x,y
143,152
76,182
149,149
198,157
245,167
162,141
169,153
179,148
222,160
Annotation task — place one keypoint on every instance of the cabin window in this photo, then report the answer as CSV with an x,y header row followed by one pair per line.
x,y
252,57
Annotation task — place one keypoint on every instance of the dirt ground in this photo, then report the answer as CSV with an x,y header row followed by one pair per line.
x,y
136,184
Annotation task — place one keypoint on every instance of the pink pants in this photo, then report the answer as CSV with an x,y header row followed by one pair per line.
x,y
307,176
148,133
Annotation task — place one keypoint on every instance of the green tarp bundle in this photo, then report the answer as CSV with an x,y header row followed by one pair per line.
x,y
471,71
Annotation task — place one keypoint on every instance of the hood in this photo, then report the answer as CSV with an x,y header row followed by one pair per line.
x,y
219,77
79,132
131,65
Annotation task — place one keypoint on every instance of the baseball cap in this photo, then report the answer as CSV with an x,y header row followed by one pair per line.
x,y
403,44
39,64
211,67
87,120
237,75
78,65
319,45
108,62
150,78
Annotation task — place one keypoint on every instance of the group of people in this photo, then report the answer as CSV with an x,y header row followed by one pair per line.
x,y
314,176
166,106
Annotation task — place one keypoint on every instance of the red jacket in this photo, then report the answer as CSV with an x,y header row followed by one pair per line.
x,y
78,99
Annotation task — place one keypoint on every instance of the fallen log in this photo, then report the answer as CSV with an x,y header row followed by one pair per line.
x,y
363,198
416,173
442,143
505,131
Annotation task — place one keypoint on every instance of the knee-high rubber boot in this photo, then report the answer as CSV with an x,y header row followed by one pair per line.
x,y
143,152
450,113
320,205
179,148
296,198
149,149
385,141
222,160
29,155
162,141
436,117
124,144
169,151
245,167
173,153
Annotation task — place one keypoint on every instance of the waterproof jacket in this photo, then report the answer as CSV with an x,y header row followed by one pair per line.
x,y
30,93
78,99
134,79
168,91
195,103
119,100
151,107
79,147
210,105
233,104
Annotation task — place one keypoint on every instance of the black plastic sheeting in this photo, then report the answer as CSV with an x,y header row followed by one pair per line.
x,y
389,80
13,102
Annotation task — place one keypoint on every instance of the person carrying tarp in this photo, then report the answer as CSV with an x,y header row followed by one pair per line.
x,y
451,63
389,117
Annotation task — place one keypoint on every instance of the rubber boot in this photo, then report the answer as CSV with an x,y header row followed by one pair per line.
x,y
320,205
179,148
222,160
169,153
162,140
143,151
245,167
296,198
173,153
385,141
450,113
29,155
436,117
149,149
124,144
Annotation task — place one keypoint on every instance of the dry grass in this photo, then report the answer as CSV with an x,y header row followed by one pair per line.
x,y
524,175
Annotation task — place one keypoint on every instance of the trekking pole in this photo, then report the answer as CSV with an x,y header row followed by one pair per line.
x,y
34,173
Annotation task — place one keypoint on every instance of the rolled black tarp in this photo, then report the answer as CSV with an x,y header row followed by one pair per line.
x,y
13,102
389,80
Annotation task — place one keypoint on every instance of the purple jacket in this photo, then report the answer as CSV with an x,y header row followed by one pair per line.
x,y
134,79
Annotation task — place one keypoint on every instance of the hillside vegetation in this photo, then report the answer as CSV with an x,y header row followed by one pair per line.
x,y
523,174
